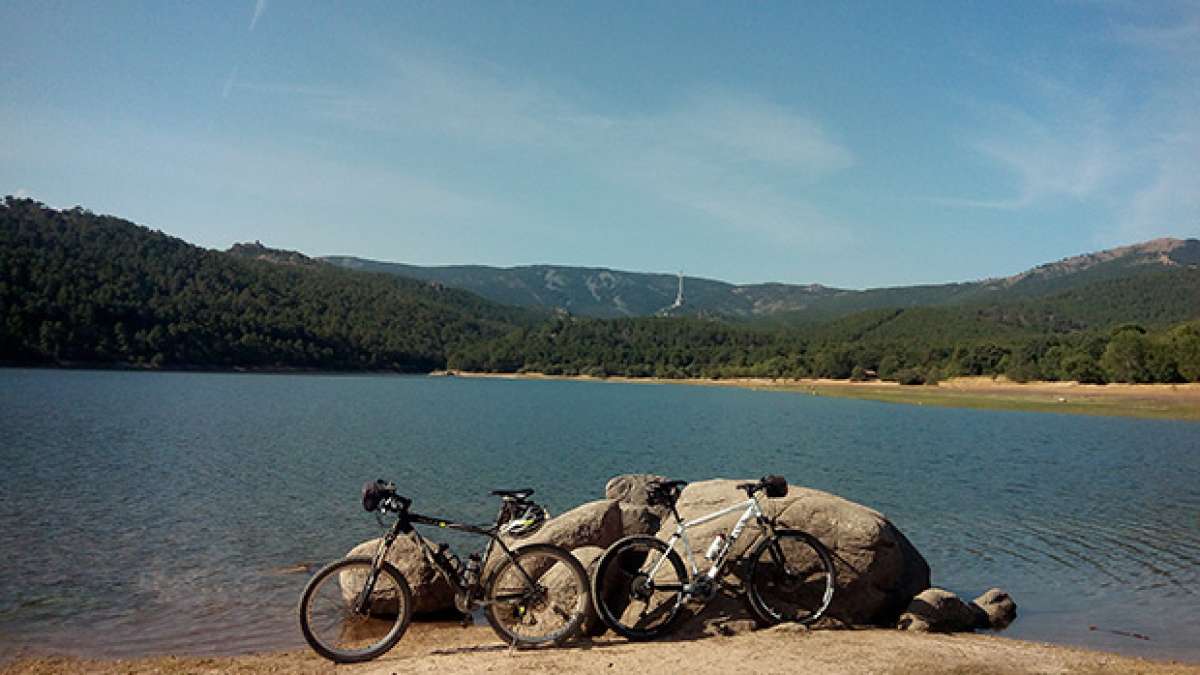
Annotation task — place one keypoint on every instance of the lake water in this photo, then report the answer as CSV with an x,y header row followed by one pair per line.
x,y
156,512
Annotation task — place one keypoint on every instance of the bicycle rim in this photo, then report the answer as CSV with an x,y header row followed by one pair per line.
x,y
332,625
539,597
638,587
791,579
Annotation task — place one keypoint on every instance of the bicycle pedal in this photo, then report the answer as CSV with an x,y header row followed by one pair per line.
x,y
467,621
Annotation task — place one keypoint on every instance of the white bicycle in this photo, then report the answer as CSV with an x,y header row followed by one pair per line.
x,y
641,583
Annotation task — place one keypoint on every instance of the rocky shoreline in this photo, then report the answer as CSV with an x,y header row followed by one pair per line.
x,y
882,580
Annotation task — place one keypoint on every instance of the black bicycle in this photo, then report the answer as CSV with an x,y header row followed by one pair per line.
x,y
641,582
357,608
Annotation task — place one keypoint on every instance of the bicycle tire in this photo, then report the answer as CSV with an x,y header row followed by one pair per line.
x,y
618,583
558,599
327,604
790,578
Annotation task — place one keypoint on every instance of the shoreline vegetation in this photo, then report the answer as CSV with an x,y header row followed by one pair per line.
x,y
1153,401
439,648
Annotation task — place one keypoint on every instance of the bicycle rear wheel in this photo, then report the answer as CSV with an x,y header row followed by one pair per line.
x,y
634,598
539,596
790,578
333,624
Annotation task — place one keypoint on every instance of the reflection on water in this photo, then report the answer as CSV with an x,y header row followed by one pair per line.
x,y
154,512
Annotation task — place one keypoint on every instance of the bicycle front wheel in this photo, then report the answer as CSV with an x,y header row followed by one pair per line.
x,y
538,596
344,627
790,578
638,587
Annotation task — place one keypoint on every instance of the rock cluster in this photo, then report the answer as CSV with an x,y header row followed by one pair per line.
x,y
936,610
877,570
881,579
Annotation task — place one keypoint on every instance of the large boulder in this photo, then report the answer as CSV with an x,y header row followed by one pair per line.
x,y
878,570
595,523
639,520
431,593
638,516
587,556
631,488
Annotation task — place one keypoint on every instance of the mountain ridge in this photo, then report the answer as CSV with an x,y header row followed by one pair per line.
x,y
604,292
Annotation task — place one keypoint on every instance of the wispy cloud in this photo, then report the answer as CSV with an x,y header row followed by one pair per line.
x,y
230,83
1136,156
1168,194
289,90
260,7
1064,147
728,157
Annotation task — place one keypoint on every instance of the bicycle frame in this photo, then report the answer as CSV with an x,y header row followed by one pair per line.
x,y
752,510
460,585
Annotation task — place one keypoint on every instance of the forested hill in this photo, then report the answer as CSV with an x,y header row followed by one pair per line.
x,y
606,293
80,288
601,292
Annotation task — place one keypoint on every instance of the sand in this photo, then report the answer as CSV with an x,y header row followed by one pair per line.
x,y
1159,401
784,649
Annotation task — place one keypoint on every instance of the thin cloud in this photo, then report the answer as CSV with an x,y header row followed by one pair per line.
x,y
728,157
1135,159
230,83
290,90
1062,144
260,7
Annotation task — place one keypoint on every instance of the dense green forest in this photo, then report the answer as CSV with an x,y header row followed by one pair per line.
x,y
78,288
676,348
81,289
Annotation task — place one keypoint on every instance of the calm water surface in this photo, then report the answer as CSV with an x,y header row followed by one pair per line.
x,y
158,512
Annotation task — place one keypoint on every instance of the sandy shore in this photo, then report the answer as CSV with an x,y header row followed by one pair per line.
x,y
1161,401
786,649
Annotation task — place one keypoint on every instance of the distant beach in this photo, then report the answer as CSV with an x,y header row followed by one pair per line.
x,y
1155,401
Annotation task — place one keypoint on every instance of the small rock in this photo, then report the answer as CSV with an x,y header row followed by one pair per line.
x,y
998,609
936,610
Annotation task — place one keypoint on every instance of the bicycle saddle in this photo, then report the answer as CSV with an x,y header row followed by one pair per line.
x,y
522,493
665,492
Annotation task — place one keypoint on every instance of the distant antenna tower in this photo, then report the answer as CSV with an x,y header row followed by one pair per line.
x,y
679,295
666,311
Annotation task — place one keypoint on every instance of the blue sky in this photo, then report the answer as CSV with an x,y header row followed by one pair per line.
x,y
850,144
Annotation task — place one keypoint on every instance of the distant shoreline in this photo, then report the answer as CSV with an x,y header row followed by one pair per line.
x,y
1153,401
1150,401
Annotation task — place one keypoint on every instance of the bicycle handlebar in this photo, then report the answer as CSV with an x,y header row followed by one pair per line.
x,y
774,486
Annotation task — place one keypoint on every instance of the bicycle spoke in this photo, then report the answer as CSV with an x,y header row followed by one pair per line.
x,y
791,579
544,608
335,630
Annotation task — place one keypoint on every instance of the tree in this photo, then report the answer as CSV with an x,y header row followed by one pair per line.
x,y
1185,343
1081,367
1126,357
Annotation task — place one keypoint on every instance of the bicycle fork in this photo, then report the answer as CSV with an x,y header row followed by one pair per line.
x,y
362,604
